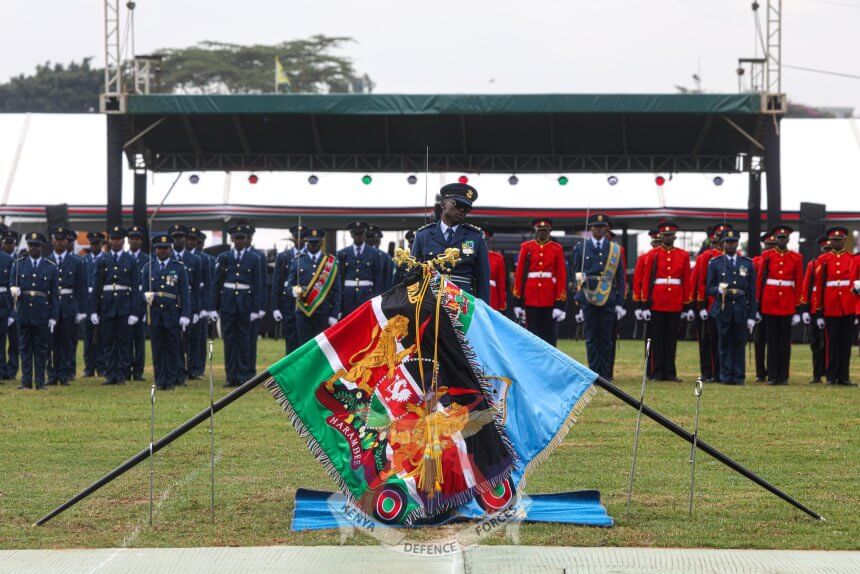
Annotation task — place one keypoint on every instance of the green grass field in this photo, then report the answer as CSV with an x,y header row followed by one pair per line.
x,y
803,438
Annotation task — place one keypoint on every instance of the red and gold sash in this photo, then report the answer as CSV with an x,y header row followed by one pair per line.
x,y
319,287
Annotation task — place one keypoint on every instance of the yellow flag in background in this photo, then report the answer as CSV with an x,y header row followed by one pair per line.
x,y
281,77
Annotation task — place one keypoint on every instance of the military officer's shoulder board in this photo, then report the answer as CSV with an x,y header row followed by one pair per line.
x,y
426,226
51,261
472,226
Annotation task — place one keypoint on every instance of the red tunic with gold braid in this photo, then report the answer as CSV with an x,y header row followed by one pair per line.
x,y
700,278
779,282
833,295
668,285
546,276
498,281
639,275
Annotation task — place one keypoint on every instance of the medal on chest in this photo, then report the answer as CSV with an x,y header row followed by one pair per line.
x,y
742,271
468,247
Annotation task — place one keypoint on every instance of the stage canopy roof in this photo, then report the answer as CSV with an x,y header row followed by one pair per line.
x,y
546,133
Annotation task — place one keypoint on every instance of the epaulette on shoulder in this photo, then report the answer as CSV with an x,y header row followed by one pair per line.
x,y
425,226
179,262
51,261
745,257
473,226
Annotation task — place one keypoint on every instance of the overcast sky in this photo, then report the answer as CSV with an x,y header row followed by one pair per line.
x,y
479,45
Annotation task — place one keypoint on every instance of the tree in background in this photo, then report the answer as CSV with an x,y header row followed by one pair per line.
x,y
208,68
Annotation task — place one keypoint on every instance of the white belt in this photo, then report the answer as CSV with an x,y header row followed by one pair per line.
x,y
492,282
67,291
780,283
667,281
539,274
358,283
838,283
3,289
237,286
116,287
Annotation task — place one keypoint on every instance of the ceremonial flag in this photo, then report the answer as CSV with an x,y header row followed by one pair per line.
x,y
281,76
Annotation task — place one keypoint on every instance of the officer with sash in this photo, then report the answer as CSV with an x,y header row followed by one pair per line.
x,y
34,286
198,332
472,271
93,353
136,237
10,370
540,283
238,282
283,301
314,282
115,306
361,270
72,285
373,238
7,318
600,289
168,298
194,268
731,282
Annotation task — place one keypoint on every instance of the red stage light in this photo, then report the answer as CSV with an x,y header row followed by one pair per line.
x,y
252,179
463,179
659,180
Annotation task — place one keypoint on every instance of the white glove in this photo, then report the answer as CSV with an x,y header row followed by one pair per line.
x,y
690,315
261,314
579,317
620,312
750,325
820,323
703,314
94,319
646,314
519,313
184,322
332,321
51,324
757,317
148,296
795,320
276,315
132,320
254,316
80,317
806,318
558,315
9,321
297,290
638,314
721,288
213,316
15,291
204,314
194,318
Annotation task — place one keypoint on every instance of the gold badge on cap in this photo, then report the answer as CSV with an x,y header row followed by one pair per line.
x,y
469,194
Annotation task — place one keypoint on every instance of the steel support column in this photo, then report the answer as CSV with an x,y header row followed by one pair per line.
x,y
139,212
114,170
772,168
754,211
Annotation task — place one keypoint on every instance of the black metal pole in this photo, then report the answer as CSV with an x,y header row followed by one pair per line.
x,y
754,213
161,443
772,168
114,170
702,445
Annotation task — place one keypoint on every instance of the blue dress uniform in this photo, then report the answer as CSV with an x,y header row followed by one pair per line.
x,y
198,332
37,310
115,306
302,270
472,272
194,267
6,311
374,236
262,261
237,296
94,356
169,304
283,300
10,372
734,310
604,289
138,333
362,273
72,285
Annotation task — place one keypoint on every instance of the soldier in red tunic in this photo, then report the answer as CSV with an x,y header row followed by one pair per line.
x,y
779,279
759,341
709,353
498,275
834,303
540,283
667,296
639,272
816,339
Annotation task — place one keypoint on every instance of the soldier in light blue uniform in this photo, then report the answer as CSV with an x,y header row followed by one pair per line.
x,y
731,281
168,297
34,285
72,285
115,306
373,238
194,267
94,356
7,318
136,238
314,314
10,371
198,333
362,271
238,283
472,272
283,301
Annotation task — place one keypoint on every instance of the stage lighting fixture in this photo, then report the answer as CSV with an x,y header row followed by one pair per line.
x,y
313,180
513,180
194,178
562,180
366,180
660,180
252,179
412,180
612,180
718,181
463,179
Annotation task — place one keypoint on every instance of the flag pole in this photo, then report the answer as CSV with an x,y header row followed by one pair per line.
x,y
702,445
160,444
276,74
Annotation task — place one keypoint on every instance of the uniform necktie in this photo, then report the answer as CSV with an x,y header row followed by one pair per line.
x,y
59,260
449,236
358,251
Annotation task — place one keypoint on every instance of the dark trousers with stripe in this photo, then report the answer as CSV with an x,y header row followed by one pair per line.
x,y
733,338
4,366
33,344
236,330
13,356
165,355
599,323
819,350
709,363
197,351
62,350
94,353
663,333
138,349
777,332
839,333
760,348
115,340
540,322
